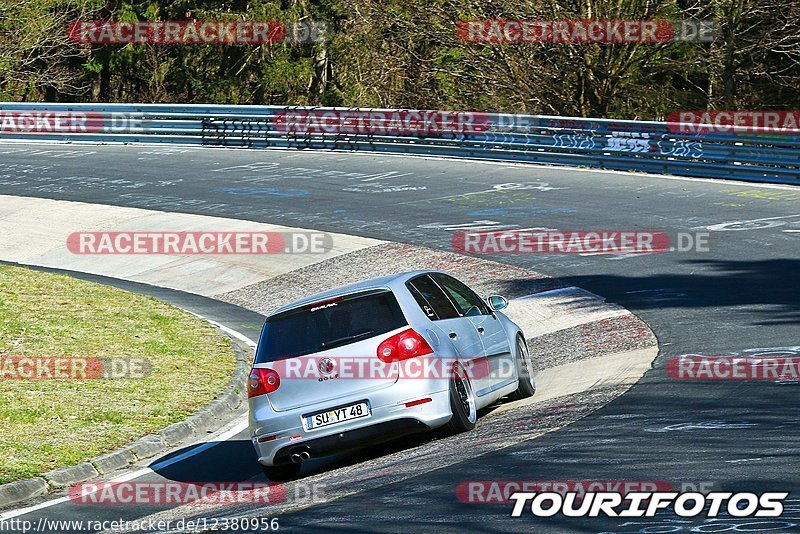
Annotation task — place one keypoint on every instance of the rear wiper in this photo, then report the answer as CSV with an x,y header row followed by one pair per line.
x,y
342,340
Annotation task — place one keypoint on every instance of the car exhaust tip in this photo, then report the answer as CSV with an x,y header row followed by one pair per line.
x,y
296,458
305,455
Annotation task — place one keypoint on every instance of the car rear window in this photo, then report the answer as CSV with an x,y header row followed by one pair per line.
x,y
328,324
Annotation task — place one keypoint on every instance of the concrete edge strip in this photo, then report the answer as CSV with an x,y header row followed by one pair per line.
x,y
30,242
615,369
550,311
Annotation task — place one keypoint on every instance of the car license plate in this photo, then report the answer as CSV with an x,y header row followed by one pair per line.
x,y
337,415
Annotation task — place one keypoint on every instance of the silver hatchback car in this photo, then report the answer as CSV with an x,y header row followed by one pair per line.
x,y
369,362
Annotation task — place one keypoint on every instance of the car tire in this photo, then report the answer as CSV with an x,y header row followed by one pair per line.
x,y
527,382
462,402
279,473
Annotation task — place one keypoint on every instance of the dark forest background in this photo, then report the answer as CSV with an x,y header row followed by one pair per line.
x,y
405,53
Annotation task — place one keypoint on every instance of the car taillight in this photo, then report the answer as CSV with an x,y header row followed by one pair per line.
x,y
406,344
262,381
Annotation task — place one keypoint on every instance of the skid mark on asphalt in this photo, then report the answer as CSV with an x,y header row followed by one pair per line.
x,y
703,425
752,224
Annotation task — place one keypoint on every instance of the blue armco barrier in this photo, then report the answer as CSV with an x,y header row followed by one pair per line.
x,y
655,147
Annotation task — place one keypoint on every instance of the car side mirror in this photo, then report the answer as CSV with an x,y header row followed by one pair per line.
x,y
496,302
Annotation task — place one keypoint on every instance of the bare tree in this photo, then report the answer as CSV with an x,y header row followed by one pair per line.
x,y
36,50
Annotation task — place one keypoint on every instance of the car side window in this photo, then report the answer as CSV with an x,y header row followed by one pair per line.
x,y
431,298
423,303
467,301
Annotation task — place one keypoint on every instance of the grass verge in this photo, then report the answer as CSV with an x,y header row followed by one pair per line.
x,y
46,424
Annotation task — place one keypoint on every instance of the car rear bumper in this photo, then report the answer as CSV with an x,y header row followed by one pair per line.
x,y
390,418
352,439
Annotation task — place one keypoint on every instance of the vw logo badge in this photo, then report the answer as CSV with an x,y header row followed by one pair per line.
x,y
326,366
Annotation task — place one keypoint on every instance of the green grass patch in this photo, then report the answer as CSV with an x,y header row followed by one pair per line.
x,y
46,424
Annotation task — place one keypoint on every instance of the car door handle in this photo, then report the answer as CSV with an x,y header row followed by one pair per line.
x,y
453,335
480,330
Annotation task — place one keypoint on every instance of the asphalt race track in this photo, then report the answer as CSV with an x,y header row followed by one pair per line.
x,y
743,294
